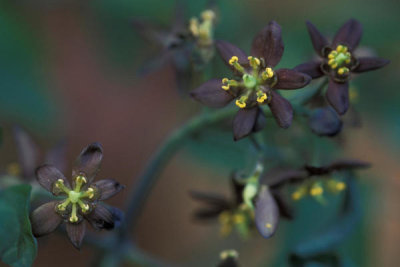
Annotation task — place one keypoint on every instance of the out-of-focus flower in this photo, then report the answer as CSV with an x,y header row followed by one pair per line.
x,y
230,212
187,46
82,200
228,258
29,155
255,83
338,61
252,204
314,180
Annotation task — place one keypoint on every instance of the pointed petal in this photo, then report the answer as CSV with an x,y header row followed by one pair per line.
x,y
281,110
291,79
319,41
227,51
285,210
76,233
312,68
325,122
108,188
338,96
211,94
244,122
349,164
57,156
268,44
349,34
370,63
211,199
89,161
44,219
104,217
266,213
150,32
47,175
28,152
278,177
207,214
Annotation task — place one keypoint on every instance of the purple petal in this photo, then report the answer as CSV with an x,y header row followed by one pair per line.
x,y
349,34
28,152
89,161
348,164
104,217
57,156
338,96
266,213
319,41
227,50
370,63
244,122
285,210
312,68
268,44
210,199
278,177
76,233
325,122
281,109
108,188
47,175
44,219
291,79
211,94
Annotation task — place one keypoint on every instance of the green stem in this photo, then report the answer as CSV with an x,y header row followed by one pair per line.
x,y
148,179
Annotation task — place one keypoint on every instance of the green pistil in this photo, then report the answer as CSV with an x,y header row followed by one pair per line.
x,y
339,57
249,81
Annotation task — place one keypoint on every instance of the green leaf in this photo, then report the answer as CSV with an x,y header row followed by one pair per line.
x,y
18,246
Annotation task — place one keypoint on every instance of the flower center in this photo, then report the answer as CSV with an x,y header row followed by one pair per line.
x,y
253,86
339,59
77,198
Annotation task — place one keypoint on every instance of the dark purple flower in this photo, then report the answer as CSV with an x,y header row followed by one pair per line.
x,y
82,198
188,47
338,62
29,155
255,83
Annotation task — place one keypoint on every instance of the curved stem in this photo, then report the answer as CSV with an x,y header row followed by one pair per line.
x,y
161,158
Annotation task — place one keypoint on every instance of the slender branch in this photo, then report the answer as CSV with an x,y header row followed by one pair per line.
x,y
173,144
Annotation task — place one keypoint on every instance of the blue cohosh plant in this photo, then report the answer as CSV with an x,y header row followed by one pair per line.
x,y
258,200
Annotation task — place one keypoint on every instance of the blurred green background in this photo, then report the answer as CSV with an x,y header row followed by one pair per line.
x,y
68,70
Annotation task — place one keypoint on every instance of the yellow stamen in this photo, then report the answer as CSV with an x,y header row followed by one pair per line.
x,y
261,98
316,190
340,186
79,181
254,62
63,206
343,70
267,74
238,218
74,217
14,169
240,104
59,184
233,60
208,15
194,26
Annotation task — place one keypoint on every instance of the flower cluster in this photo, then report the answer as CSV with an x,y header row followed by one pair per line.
x,y
81,201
